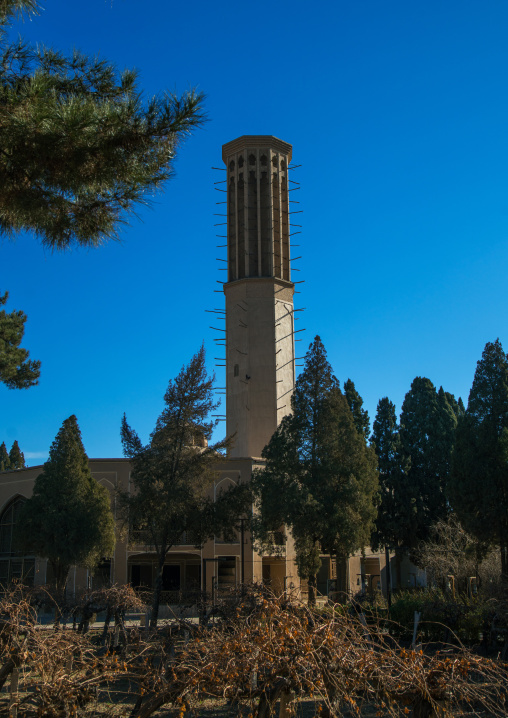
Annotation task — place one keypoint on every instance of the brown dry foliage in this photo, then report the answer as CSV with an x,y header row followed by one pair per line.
x,y
262,650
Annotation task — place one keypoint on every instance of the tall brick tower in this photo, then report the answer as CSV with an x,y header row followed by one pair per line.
x,y
260,357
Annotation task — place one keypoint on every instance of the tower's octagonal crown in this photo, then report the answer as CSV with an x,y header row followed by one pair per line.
x,y
257,207
256,141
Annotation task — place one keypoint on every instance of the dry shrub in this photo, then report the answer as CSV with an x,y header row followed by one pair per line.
x,y
61,671
450,550
114,602
281,649
264,649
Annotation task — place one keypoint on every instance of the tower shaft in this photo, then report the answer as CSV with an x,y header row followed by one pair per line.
x,y
260,367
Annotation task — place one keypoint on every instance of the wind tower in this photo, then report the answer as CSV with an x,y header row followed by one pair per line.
x,y
260,356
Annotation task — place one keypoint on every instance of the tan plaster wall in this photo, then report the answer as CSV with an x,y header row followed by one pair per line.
x,y
110,473
259,338
115,472
284,357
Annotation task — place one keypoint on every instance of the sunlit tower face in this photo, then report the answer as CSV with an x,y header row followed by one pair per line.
x,y
258,207
260,367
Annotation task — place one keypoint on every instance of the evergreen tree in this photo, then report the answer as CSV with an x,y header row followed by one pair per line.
x,y
173,474
457,405
80,147
355,403
397,513
5,462
427,426
17,371
320,478
445,427
16,457
80,150
68,519
478,486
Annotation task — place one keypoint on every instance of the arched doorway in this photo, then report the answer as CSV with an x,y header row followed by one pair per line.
x,y
13,565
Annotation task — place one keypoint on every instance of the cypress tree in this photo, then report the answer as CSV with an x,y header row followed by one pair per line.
x,y
478,486
397,511
68,519
5,462
355,403
16,457
444,439
457,405
427,425
320,478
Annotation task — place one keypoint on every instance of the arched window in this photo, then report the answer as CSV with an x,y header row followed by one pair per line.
x,y
13,566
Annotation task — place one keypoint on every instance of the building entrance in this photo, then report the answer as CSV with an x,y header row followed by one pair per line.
x,y
171,577
141,575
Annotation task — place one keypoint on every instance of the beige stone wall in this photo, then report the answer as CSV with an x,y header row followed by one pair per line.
x,y
284,356
114,473
259,361
281,570
110,473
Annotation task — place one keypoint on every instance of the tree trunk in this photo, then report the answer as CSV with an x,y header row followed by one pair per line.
x,y
312,584
157,590
398,567
120,627
268,699
105,630
342,578
60,575
504,563
12,662
6,671
423,708
152,704
388,579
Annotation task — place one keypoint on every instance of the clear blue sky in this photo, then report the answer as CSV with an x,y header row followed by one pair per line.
x,y
397,112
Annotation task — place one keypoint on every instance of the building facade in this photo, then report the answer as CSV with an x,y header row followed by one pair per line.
x,y
260,376
258,339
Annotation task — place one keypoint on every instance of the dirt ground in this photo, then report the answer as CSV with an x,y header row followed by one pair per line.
x,y
304,708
